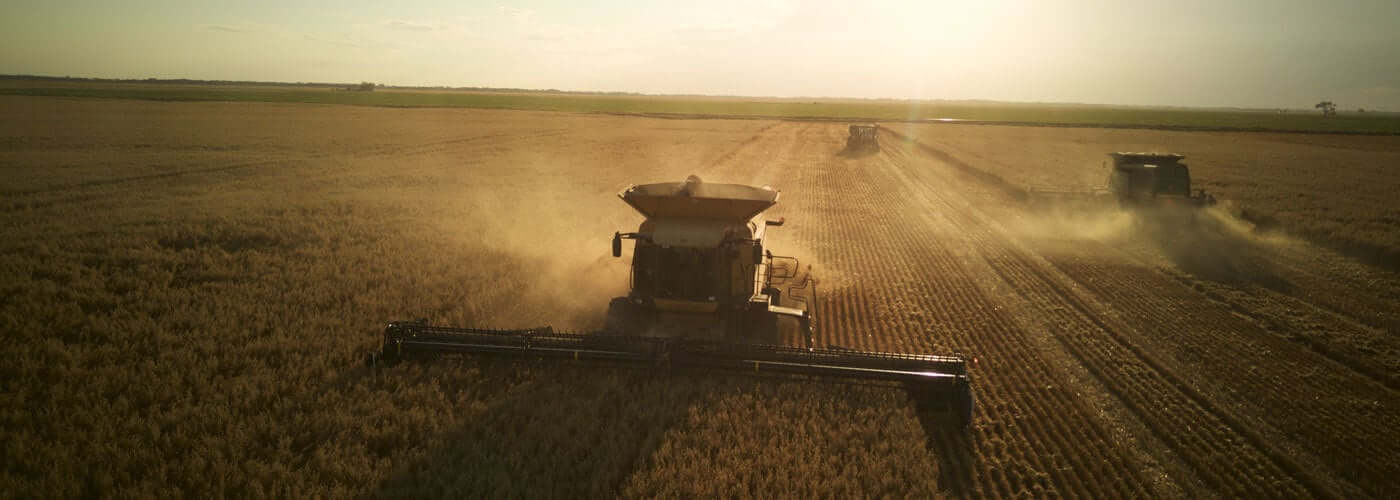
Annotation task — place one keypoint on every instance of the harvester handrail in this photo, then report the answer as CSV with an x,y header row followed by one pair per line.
x,y
792,270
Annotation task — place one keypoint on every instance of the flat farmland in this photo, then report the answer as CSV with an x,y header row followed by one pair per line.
x,y
819,108
188,290
1330,189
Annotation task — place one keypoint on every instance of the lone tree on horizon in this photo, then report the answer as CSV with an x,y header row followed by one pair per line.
x,y
1328,108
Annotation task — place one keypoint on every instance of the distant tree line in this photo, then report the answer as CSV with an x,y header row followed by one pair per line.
x,y
340,85
169,81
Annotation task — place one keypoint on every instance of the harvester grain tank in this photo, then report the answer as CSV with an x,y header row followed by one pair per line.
x,y
706,295
699,266
863,137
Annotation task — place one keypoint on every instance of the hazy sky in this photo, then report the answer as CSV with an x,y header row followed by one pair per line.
x,y
1255,53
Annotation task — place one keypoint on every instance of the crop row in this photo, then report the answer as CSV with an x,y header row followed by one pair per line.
x,y
905,288
1334,412
1216,452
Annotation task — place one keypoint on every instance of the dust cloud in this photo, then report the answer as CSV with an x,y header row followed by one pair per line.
x,y
1209,243
551,240
542,219
1074,221
1213,245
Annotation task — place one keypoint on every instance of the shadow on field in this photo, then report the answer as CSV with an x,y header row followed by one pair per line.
x,y
566,431
1202,242
857,152
952,444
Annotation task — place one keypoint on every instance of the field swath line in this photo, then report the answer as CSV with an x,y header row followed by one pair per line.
x,y
1342,417
487,141
1213,449
1316,317
913,292
152,176
1362,293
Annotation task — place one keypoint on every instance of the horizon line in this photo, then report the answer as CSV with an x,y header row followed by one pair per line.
x,y
10,76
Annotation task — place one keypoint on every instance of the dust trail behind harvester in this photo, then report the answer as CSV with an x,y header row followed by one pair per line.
x,y
1206,242
1073,222
544,228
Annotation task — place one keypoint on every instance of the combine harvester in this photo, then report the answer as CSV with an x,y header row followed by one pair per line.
x,y
705,296
1136,180
863,138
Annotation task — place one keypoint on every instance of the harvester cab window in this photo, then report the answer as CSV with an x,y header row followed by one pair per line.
x,y
1141,180
678,273
1173,179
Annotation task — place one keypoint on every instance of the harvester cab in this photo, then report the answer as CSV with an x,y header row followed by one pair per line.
x,y
706,296
863,137
699,266
1153,178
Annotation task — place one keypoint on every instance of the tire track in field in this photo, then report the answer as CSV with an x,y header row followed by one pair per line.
x,y
1349,422
728,158
852,321
857,307
1339,308
1285,315
489,141
19,202
1339,285
1256,375
1227,460
1349,306
1274,370
908,291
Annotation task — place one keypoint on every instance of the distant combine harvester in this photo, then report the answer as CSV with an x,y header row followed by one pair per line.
x,y
362,87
